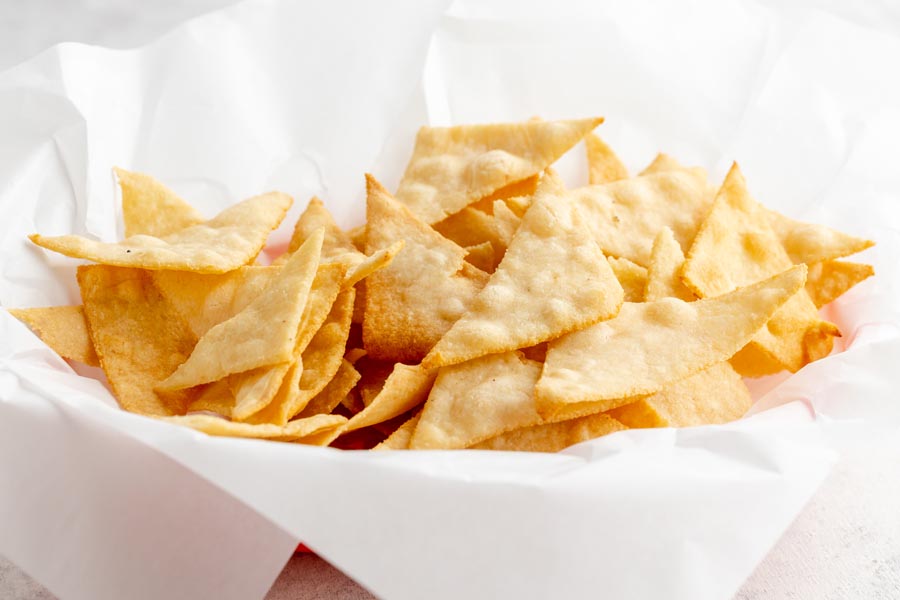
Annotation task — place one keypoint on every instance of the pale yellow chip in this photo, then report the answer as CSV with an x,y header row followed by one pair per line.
x,y
205,300
662,162
412,302
337,389
470,227
150,208
139,338
366,265
603,164
515,195
321,359
215,397
664,271
254,390
507,222
399,440
228,241
829,280
649,345
452,167
553,437
482,257
262,334
714,395
625,216
736,246
406,388
553,279
295,430
810,243
632,277
477,400
63,328
336,243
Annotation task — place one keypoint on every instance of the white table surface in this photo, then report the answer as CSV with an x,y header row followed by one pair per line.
x,y
845,545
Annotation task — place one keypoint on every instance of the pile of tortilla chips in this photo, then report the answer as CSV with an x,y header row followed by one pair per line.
x,y
483,305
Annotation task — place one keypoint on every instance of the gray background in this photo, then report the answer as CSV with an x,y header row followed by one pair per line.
x,y
845,545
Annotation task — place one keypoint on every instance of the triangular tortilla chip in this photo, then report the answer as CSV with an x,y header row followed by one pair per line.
x,y
514,194
406,388
811,243
254,390
230,240
736,246
470,227
829,280
262,334
426,288
482,257
553,251
620,358
662,162
477,400
664,270
452,167
63,328
293,431
714,395
337,389
399,440
603,164
336,242
553,437
632,278
150,208
626,215
138,336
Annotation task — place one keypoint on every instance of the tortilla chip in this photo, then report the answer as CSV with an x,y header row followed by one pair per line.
x,y
662,162
553,252
810,243
514,194
507,222
452,167
230,240
406,388
399,440
204,301
632,278
714,395
336,242
366,265
470,227
553,437
736,246
262,334
650,345
603,164
254,390
482,257
477,400
414,301
337,389
664,271
321,360
626,215
295,430
829,280
63,328
150,208
215,397
139,338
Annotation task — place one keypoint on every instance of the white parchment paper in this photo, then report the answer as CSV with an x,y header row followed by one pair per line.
x,y
98,503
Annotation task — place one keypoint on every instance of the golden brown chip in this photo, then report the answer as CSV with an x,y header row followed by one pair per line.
x,y
664,271
399,440
714,395
337,389
810,243
507,222
150,208
736,246
230,240
63,328
414,301
482,256
452,167
138,336
364,266
553,437
632,278
647,346
477,400
603,164
515,195
295,430
215,397
470,227
831,279
552,253
406,388
626,215
262,334
336,242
